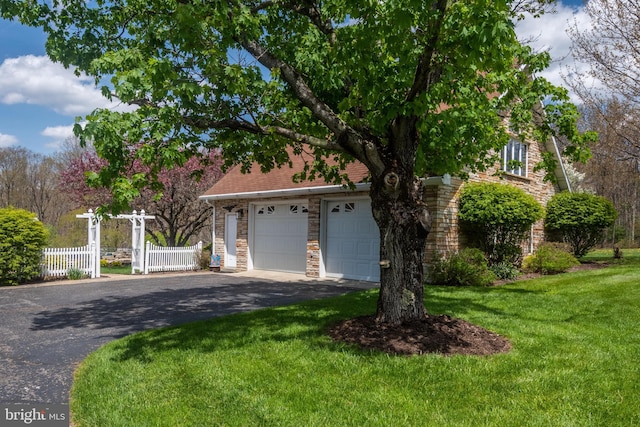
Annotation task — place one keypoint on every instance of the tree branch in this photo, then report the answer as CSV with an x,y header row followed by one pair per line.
x,y
309,9
346,137
242,125
426,73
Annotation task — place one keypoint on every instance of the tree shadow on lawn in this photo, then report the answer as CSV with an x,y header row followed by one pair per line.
x,y
307,321
315,321
118,316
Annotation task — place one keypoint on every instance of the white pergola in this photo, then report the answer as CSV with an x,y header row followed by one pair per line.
x,y
137,236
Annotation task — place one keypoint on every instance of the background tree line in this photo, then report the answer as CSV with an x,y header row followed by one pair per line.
x,y
54,187
610,95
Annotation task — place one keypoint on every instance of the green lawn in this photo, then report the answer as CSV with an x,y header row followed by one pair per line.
x,y
574,362
120,269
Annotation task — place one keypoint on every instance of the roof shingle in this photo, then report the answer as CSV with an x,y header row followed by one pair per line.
x,y
235,181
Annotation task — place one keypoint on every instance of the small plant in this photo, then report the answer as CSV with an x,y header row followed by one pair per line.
x,y
505,270
617,253
549,259
465,268
75,274
203,259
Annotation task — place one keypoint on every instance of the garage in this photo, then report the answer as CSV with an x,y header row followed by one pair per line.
x,y
280,237
352,248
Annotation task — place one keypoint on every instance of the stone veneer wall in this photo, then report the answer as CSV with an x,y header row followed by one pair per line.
x,y
314,205
242,237
445,236
313,237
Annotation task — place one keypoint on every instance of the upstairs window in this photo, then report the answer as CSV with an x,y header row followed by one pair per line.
x,y
514,158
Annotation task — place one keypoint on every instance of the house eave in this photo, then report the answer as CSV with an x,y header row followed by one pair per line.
x,y
560,171
324,189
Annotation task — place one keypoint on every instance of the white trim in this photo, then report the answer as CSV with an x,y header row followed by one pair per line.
x,y
325,189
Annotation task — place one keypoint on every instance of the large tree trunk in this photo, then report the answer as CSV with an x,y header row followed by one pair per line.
x,y
398,206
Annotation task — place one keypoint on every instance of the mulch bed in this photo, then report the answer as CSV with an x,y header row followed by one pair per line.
x,y
435,334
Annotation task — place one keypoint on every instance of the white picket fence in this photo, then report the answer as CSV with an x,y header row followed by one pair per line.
x,y
56,262
161,258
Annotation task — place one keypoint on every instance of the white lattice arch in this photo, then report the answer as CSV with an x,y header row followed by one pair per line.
x,y
137,236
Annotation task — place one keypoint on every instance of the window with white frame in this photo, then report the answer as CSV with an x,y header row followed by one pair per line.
x,y
514,158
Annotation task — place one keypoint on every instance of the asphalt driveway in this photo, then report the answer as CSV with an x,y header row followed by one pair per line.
x,y
46,330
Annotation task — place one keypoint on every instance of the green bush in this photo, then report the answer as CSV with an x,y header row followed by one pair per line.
x,y
204,258
549,259
22,239
465,268
75,274
505,271
497,218
579,219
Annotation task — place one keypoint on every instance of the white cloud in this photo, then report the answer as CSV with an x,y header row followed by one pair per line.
x,y
36,80
549,33
7,140
58,134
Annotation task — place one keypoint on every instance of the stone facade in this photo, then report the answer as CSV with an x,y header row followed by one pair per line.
x,y
241,209
442,201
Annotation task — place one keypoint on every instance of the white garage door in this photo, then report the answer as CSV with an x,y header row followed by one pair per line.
x,y
280,237
353,241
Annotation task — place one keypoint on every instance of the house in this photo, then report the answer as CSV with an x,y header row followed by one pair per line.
x,y
268,222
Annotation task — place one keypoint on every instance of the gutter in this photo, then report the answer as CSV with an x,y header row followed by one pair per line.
x,y
324,189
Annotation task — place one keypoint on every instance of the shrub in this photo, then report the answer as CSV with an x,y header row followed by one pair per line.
x,y
22,239
497,218
549,259
579,219
75,274
203,258
465,268
505,271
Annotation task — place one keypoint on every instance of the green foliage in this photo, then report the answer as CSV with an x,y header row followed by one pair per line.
x,y
22,238
549,259
505,270
204,258
253,77
579,219
75,274
497,218
467,267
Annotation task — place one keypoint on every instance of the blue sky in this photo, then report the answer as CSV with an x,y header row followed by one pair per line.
x,y
39,100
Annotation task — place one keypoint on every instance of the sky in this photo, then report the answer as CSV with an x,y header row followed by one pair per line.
x,y
40,100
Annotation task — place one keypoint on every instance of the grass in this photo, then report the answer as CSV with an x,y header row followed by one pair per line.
x,y
120,269
574,362
605,255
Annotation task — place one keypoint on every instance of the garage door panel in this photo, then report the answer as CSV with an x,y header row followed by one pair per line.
x,y
352,242
280,237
